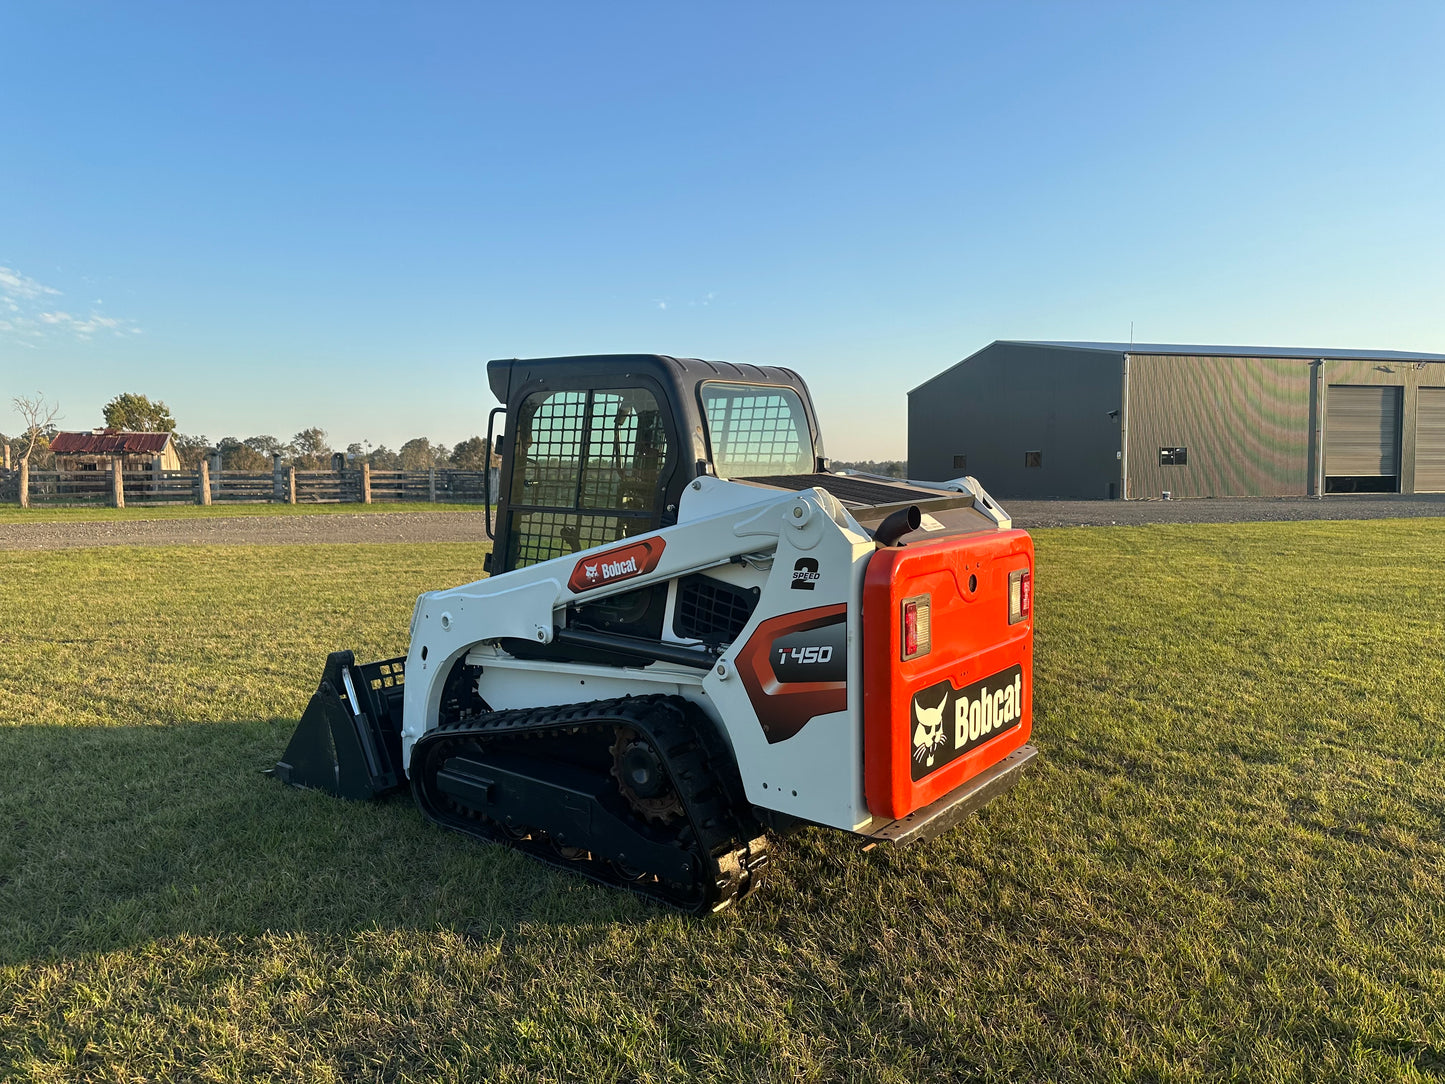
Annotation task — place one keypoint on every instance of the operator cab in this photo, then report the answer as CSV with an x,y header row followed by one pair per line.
x,y
600,448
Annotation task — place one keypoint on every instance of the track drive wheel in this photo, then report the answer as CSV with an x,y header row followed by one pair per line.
x,y
642,778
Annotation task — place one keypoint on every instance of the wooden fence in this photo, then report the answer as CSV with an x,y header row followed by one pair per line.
x,y
117,489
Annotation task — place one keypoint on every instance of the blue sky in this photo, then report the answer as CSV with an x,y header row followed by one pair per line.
x,y
277,216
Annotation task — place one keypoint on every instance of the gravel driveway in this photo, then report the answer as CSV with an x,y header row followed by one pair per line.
x,y
1222,510
250,530
469,527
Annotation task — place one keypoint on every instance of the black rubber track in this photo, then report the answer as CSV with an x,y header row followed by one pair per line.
x,y
727,847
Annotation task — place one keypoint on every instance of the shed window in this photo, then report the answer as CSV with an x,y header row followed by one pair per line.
x,y
1173,457
1033,459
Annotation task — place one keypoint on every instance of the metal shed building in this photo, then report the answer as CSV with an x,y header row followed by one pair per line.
x,y
1081,419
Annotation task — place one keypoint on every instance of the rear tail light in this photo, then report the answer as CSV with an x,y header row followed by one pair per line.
x,y
1020,595
917,627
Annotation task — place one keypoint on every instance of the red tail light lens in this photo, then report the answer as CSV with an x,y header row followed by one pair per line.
x,y
917,627
1020,595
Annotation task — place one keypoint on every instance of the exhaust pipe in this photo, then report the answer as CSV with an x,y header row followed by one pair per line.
x,y
897,525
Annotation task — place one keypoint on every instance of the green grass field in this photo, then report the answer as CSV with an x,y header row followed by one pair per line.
x,y
11,513
1226,865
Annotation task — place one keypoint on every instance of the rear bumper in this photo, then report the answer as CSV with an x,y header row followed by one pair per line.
x,y
953,807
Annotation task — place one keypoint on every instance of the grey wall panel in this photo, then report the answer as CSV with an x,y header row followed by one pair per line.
x,y
1430,441
1246,423
1009,399
1362,431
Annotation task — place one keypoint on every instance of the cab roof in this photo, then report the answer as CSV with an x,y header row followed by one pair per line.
x,y
507,374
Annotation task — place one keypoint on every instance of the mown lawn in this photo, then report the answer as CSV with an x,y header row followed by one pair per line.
x,y
1226,865
13,513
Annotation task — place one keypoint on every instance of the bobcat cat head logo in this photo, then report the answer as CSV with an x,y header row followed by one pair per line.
x,y
590,571
928,734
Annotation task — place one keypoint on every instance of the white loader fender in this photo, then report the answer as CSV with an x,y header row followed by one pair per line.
x,y
798,736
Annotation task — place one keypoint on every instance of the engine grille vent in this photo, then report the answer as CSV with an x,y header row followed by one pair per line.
x,y
711,610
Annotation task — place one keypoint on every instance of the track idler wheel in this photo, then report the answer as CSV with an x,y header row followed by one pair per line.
x,y
642,778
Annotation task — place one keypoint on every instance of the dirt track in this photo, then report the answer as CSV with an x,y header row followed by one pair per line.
x,y
468,526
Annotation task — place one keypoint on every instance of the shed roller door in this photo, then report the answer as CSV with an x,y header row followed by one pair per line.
x,y
1430,441
1362,431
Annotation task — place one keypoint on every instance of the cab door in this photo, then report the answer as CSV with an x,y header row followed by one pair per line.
x,y
589,466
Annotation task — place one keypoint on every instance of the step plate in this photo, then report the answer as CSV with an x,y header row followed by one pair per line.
x,y
954,806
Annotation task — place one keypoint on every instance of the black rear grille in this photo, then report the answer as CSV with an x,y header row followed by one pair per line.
x,y
712,611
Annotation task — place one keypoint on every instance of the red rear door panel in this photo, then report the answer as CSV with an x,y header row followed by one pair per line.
x,y
933,722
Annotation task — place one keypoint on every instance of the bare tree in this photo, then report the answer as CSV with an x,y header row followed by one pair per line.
x,y
39,417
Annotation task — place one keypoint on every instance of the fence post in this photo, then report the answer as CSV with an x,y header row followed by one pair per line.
x,y
431,487
365,482
278,486
117,484
25,482
205,485
290,485
216,475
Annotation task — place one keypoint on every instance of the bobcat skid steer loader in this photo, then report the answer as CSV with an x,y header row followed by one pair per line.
x,y
693,633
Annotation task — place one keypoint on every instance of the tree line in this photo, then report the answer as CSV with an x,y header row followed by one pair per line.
x,y
888,468
309,449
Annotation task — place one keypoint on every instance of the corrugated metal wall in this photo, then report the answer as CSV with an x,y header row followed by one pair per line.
x,y
1246,422
1430,441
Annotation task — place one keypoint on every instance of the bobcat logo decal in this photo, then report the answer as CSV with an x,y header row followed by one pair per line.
x,y
928,734
961,720
616,564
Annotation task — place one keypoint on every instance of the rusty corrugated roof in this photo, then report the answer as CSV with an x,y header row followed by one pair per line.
x,y
109,442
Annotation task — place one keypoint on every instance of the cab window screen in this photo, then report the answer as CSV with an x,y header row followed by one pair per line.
x,y
626,448
587,470
757,432
549,447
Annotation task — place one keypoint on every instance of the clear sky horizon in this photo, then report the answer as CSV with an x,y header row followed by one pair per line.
x,y
278,216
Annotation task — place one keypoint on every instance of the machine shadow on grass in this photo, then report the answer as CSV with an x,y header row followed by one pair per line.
x,y
117,836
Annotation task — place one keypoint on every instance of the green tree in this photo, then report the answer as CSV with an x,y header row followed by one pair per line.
x,y
309,450
421,454
267,445
138,414
191,449
383,458
471,454
238,455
